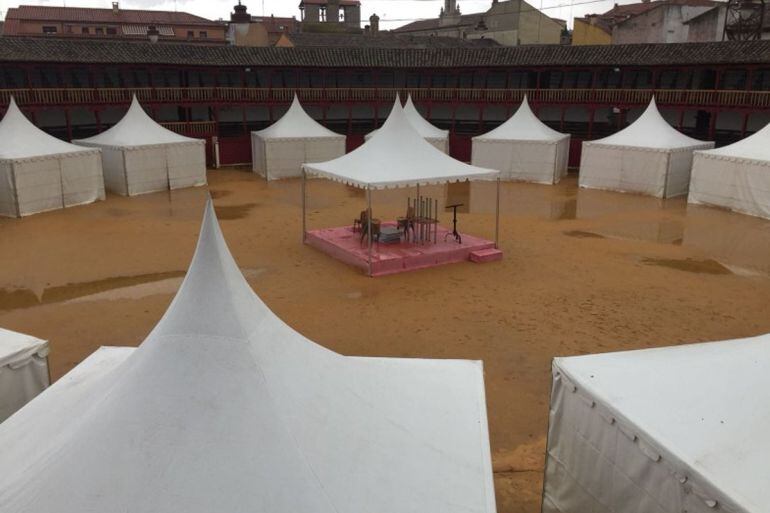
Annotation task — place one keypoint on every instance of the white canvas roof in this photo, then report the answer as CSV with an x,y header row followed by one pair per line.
x,y
226,408
397,156
16,348
650,130
296,124
20,139
523,126
705,408
753,147
419,123
136,128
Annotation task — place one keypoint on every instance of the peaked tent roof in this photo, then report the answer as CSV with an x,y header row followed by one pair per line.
x,y
704,406
650,130
397,156
226,408
19,347
136,128
296,124
20,139
523,126
754,147
419,123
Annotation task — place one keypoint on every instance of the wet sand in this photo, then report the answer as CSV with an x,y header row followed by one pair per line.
x,y
583,272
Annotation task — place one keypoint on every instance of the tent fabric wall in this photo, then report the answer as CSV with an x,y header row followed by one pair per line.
x,y
23,370
283,158
663,173
528,161
660,430
738,184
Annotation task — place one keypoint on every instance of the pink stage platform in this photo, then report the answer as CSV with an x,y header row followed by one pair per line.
x,y
344,244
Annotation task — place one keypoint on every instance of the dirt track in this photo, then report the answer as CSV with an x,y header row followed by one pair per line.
x,y
583,272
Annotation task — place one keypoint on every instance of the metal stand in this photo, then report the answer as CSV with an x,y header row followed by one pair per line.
x,y
458,238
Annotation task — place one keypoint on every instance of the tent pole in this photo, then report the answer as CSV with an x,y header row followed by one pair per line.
x,y
369,225
304,207
497,215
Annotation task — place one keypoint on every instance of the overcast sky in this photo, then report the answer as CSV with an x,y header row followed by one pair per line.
x,y
393,13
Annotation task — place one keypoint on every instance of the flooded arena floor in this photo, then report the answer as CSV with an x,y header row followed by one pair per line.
x,y
583,272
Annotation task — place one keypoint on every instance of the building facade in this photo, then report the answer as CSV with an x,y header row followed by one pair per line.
x,y
509,23
74,89
111,24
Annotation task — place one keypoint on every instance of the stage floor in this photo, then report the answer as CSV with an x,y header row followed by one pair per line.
x,y
344,244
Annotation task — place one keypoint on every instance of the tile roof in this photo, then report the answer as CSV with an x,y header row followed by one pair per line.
x,y
89,15
324,2
465,20
384,40
33,49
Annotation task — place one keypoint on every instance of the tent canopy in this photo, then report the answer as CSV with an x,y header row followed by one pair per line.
x,y
650,130
703,406
16,348
397,156
20,139
296,124
419,123
136,128
226,408
754,147
523,126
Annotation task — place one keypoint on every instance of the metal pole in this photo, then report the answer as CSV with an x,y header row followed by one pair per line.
x,y
369,227
304,207
497,215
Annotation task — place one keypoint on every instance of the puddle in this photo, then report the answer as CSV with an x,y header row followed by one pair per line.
x,y
233,212
690,265
583,235
221,193
24,298
569,210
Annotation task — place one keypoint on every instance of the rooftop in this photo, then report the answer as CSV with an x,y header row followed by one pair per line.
x,y
383,40
89,15
34,49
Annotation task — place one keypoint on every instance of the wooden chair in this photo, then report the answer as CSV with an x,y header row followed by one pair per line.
x,y
405,223
360,221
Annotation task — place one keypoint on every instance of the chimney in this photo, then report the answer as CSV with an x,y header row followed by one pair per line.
x,y
374,21
115,8
333,11
153,33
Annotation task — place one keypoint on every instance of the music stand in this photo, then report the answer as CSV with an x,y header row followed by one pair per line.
x,y
458,238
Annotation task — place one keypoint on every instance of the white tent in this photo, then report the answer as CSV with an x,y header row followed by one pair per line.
x,y
735,176
524,148
648,157
141,156
226,408
23,370
279,150
39,172
661,430
437,137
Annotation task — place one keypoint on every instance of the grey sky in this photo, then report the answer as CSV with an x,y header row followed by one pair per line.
x,y
393,13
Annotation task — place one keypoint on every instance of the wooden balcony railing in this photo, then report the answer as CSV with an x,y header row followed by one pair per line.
x,y
244,95
192,128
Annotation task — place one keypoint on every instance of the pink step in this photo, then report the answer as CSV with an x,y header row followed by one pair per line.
x,y
486,255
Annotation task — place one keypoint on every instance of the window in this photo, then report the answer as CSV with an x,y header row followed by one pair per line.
x,y
112,31
190,34
204,34
85,30
100,30
49,30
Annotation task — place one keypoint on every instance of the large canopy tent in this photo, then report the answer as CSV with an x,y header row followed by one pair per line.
x,y
661,430
736,177
39,172
648,157
396,156
140,156
23,370
226,408
279,150
523,148
434,135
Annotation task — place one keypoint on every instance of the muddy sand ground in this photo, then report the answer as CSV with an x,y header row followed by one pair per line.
x,y
583,272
